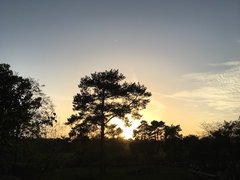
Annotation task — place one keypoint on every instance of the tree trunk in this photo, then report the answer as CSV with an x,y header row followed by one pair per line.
x,y
102,148
102,141
16,143
16,149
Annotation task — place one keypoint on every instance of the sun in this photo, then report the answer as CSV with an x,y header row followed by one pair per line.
x,y
127,131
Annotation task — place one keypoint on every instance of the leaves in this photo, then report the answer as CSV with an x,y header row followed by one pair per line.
x,y
157,130
24,110
105,95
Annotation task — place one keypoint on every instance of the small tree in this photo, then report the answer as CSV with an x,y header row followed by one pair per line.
x,y
172,132
104,96
157,130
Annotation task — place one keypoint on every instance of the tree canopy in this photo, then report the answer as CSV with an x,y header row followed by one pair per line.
x,y
25,111
156,130
104,96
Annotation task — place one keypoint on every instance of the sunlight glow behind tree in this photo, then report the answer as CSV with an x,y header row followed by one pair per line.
x,y
102,97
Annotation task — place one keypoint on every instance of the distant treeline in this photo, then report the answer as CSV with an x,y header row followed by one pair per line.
x,y
212,153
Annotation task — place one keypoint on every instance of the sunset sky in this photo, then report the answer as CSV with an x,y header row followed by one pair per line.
x,y
186,52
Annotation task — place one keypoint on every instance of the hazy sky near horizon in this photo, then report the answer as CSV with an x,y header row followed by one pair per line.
x,y
186,52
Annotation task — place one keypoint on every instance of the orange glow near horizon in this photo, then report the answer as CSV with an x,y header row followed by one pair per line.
x,y
127,131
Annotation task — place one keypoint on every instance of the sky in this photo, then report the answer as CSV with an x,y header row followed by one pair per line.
x,y
187,53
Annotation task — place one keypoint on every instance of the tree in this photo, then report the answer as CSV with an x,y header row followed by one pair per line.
x,y
25,111
142,132
113,132
104,96
226,129
172,132
157,130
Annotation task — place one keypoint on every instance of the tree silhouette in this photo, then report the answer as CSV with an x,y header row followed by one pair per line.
x,y
157,130
142,132
92,131
24,110
104,96
172,132
112,131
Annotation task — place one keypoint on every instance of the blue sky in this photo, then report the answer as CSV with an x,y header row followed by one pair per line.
x,y
186,52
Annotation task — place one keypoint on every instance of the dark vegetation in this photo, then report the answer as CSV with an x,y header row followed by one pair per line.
x,y
94,149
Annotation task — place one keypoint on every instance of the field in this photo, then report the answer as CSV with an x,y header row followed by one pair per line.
x,y
118,173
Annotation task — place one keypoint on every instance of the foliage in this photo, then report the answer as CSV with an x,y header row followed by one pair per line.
x,y
102,97
24,110
172,132
229,130
157,130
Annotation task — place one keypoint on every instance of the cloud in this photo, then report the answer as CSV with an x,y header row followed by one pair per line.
x,y
229,63
217,91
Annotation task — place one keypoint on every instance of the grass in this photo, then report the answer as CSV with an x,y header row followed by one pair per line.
x,y
119,173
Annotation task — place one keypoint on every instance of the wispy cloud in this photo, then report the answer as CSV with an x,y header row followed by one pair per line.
x,y
229,63
218,91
